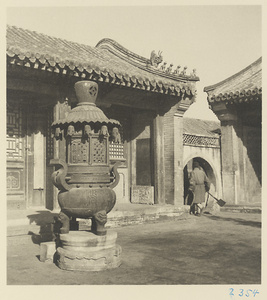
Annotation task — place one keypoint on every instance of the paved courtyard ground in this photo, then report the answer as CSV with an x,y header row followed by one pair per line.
x,y
215,250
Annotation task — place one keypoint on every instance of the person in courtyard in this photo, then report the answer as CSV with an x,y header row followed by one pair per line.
x,y
199,184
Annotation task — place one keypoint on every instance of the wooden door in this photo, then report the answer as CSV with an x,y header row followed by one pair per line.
x,y
15,155
143,162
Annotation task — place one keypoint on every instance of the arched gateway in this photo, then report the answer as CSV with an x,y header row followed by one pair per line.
x,y
201,141
208,169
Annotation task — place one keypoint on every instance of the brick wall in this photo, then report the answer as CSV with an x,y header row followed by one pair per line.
x,y
169,155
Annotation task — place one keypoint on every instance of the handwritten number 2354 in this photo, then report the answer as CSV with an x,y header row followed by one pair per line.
x,y
246,293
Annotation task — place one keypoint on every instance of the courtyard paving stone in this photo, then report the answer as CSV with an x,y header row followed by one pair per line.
x,y
217,249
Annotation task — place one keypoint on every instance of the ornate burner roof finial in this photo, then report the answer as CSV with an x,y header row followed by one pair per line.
x,y
86,111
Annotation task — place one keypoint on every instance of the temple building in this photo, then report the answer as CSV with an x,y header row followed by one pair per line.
x,y
237,102
147,96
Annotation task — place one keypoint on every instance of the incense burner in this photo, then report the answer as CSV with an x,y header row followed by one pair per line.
x,y
85,178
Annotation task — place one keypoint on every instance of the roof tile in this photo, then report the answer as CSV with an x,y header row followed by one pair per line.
x,y
246,83
200,127
61,54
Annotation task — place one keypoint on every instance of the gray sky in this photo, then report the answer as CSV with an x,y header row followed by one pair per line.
x,y
217,40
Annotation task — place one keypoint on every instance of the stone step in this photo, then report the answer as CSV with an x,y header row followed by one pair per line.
x,y
39,225
241,209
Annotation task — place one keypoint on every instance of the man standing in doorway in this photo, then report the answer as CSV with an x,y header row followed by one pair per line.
x,y
199,185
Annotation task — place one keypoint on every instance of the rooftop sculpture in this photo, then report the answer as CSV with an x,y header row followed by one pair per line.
x,y
156,59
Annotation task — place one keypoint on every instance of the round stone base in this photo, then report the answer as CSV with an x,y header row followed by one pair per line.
x,y
85,251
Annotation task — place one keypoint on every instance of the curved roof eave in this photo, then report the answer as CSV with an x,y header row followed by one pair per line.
x,y
244,86
238,74
34,50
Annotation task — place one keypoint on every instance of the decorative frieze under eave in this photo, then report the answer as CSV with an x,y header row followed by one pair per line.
x,y
245,96
50,64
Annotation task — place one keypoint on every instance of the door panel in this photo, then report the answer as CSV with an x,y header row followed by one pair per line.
x,y
15,155
143,162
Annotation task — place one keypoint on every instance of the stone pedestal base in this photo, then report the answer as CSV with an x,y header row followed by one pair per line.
x,y
85,251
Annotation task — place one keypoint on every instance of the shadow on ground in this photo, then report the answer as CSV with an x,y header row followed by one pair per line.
x,y
48,226
235,220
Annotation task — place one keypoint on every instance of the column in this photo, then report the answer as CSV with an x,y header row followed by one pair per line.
x,y
179,151
159,168
231,140
173,152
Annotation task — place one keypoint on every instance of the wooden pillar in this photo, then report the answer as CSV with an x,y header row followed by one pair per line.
x,y
159,168
29,159
133,162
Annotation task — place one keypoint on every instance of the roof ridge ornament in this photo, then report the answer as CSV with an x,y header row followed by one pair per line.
x,y
155,59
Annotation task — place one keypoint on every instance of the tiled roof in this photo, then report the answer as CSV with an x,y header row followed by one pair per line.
x,y
201,127
244,86
35,50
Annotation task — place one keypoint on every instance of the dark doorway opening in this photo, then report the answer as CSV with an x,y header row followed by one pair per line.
x,y
187,173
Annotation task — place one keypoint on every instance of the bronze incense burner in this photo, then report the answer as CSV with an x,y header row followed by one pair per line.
x,y
85,178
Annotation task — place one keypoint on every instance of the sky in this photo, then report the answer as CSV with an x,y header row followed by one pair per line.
x,y
217,40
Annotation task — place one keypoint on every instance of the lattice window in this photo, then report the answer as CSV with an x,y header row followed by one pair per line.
x,y
116,151
14,148
78,152
201,141
14,126
99,151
